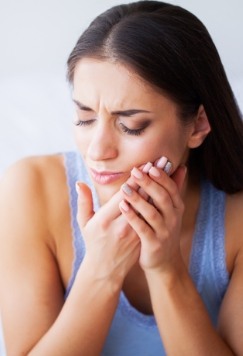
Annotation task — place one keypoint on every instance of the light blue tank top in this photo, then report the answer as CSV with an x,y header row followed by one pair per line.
x,y
133,333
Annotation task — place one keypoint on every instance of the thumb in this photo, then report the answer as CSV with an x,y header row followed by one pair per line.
x,y
179,177
85,204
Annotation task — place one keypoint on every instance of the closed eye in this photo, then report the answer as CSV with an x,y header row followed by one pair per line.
x,y
135,132
83,122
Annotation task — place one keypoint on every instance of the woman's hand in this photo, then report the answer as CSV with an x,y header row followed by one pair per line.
x,y
157,224
111,243
112,246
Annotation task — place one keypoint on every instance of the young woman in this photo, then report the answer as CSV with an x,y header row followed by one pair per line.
x,y
132,245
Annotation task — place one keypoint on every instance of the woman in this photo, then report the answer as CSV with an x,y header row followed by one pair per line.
x,y
153,263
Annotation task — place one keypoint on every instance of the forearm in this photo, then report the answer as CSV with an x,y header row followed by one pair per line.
x,y
83,323
182,319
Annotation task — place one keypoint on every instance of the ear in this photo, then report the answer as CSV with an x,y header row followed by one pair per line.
x,y
200,129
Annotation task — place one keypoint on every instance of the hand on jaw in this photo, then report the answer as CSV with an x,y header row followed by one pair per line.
x,y
157,218
140,222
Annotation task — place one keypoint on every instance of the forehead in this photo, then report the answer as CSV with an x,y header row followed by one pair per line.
x,y
114,84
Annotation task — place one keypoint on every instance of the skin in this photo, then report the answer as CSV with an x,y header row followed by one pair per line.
x,y
103,144
147,257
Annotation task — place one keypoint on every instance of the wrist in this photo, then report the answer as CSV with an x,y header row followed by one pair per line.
x,y
167,276
99,277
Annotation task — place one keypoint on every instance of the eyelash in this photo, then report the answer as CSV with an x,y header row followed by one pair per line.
x,y
134,132
83,122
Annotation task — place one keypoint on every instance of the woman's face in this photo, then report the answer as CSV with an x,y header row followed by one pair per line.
x,y
122,122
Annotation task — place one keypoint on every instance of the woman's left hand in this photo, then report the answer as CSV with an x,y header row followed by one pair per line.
x,y
156,222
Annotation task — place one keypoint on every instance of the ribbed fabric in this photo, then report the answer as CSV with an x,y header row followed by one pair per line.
x,y
133,333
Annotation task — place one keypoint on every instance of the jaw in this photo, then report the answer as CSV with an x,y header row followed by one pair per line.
x,y
105,192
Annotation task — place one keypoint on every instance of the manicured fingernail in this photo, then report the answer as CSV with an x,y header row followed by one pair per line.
x,y
147,167
161,162
168,167
137,173
154,172
126,189
124,206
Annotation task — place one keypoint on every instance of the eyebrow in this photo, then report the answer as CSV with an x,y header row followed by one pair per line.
x,y
127,113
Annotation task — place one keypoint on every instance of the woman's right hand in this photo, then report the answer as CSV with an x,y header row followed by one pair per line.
x,y
112,246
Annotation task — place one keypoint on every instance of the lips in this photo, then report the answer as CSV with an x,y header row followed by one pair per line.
x,y
105,177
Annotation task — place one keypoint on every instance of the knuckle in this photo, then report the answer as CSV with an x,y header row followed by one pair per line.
x,y
145,230
165,235
122,232
173,188
164,198
104,224
146,182
152,213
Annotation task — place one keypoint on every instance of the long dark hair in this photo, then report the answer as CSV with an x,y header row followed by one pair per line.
x,y
173,51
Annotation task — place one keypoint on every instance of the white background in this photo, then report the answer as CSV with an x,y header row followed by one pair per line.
x,y
36,38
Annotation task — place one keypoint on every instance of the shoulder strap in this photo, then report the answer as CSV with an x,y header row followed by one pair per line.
x,y
74,171
208,261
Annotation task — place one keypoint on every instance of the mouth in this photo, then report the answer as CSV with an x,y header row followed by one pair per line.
x,y
105,177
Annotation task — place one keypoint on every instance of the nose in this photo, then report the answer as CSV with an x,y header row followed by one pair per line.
x,y
103,144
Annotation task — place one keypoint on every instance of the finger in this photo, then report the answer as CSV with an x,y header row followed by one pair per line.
x,y
146,210
110,210
143,194
123,229
157,179
144,168
85,204
142,229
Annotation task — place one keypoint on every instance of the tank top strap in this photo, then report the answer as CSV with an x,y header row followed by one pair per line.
x,y
208,259
76,171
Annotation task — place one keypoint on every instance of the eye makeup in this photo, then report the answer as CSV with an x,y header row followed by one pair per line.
x,y
83,122
134,131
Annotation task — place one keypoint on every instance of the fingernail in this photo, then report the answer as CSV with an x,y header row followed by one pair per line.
x,y
137,173
168,167
126,189
124,206
161,162
154,172
147,167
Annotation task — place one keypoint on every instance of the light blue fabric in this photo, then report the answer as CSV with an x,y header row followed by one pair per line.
x,y
133,333
2,345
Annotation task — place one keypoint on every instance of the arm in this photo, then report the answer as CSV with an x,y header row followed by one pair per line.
x,y
36,320
188,329
182,319
31,290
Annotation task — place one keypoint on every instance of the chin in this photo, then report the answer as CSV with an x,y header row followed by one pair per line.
x,y
105,193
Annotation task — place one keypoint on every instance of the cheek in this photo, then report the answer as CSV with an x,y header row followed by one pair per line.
x,y
81,140
171,145
141,150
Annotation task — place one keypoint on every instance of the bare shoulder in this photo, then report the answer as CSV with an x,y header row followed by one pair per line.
x,y
29,193
32,184
28,267
33,171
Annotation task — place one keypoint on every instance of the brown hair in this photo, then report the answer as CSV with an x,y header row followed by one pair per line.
x,y
172,50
